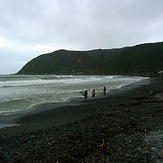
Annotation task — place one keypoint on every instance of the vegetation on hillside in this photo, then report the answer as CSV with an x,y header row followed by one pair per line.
x,y
144,58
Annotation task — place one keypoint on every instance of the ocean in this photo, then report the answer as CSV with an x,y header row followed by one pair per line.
x,y
21,94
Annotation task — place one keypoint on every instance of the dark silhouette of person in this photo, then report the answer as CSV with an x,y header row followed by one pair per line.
x,y
85,94
93,93
104,91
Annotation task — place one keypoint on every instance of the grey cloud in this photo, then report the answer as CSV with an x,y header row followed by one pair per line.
x,y
62,21
72,24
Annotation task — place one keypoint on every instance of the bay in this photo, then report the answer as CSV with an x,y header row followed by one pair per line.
x,y
25,93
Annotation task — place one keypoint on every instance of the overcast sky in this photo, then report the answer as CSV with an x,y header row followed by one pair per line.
x,y
29,28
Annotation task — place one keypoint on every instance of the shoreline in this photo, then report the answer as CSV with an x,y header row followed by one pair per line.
x,y
12,121
124,127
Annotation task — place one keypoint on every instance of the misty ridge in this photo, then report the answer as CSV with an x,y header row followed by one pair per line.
x,y
143,59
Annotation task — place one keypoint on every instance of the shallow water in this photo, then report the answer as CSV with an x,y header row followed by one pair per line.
x,y
24,93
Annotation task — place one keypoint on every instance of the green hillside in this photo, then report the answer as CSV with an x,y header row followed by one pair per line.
x,y
144,58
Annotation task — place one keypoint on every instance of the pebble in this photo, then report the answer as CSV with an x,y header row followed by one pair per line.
x,y
112,134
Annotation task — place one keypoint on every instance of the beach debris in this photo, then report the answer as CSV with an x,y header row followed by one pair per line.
x,y
159,96
112,134
152,93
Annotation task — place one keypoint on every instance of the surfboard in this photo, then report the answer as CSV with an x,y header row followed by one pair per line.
x,y
82,92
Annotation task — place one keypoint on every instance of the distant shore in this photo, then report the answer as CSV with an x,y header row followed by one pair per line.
x,y
124,127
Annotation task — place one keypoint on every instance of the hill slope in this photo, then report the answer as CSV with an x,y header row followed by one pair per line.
x,y
144,58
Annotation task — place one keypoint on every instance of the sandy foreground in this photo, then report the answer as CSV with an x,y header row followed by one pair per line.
x,y
127,127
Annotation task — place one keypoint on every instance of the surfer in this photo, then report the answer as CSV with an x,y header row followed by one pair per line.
x,y
104,91
85,94
93,93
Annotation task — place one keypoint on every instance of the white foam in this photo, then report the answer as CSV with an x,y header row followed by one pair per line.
x,y
28,92
2,125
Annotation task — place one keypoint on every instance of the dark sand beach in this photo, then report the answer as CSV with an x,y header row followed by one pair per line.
x,y
125,127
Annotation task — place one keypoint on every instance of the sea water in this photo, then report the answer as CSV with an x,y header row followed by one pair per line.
x,y
25,93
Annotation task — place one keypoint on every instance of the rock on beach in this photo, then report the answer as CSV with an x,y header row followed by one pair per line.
x,y
120,128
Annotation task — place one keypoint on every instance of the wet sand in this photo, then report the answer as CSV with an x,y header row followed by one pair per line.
x,y
124,127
